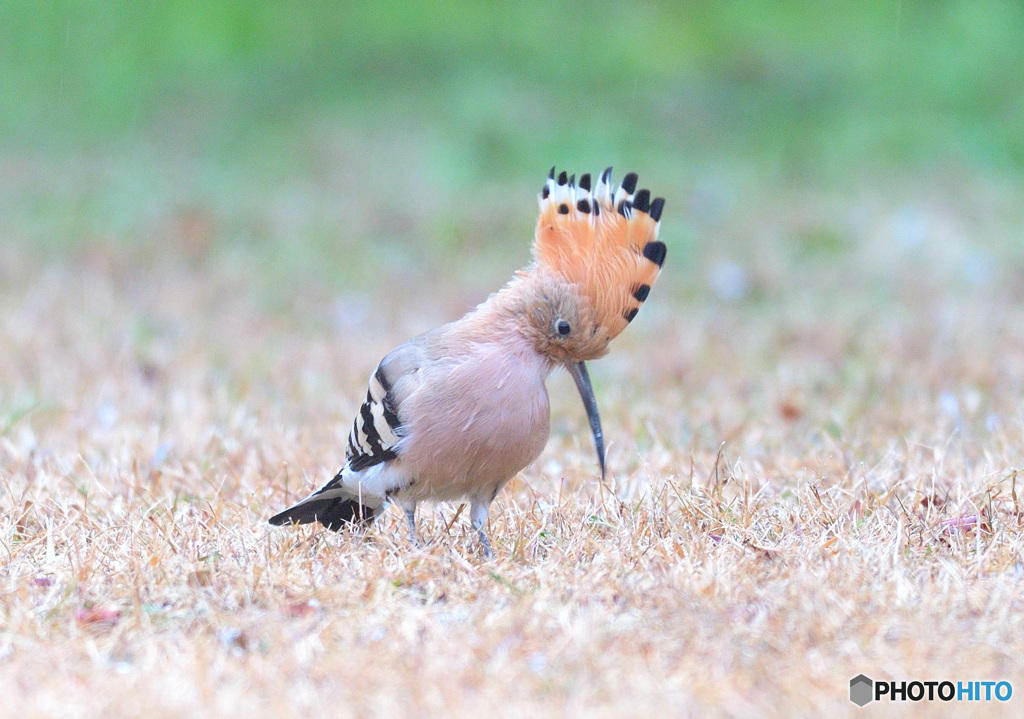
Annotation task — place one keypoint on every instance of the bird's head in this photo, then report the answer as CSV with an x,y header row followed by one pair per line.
x,y
562,323
596,256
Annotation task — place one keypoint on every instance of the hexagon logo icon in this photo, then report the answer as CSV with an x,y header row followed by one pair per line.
x,y
861,690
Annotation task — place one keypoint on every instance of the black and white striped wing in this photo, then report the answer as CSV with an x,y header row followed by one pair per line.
x,y
375,438
378,427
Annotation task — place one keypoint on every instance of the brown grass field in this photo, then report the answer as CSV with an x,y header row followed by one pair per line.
x,y
815,434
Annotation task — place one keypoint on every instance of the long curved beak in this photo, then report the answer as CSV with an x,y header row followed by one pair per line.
x,y
578,370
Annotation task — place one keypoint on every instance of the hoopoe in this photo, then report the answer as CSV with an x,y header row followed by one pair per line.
x,y
458,411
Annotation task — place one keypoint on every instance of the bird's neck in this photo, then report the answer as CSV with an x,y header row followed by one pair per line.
x,y
503,319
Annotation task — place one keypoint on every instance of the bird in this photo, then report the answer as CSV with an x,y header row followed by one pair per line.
x,y
457,412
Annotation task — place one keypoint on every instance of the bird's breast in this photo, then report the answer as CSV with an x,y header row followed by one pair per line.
x,y
477,424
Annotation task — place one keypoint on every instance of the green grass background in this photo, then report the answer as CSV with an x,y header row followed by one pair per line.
x,y
438,117
500,87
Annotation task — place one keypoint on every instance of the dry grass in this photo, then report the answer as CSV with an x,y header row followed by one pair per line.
x,y
809,485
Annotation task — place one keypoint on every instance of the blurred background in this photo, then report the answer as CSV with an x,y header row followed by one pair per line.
x,y
311,132
318,160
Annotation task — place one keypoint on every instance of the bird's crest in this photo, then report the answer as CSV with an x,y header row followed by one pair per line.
x,y
604,241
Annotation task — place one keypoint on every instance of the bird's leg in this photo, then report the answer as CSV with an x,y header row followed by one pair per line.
x,y
478,515
410,515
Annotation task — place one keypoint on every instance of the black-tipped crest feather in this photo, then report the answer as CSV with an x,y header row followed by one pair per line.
x,y
657,205
629,182
642,201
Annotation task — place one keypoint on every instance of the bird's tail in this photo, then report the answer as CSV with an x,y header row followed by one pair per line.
x,y
334,505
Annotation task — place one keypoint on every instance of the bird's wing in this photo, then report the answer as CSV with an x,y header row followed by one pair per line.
x,y
377,432
376,437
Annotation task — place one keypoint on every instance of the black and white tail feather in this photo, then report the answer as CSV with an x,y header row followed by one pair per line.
x,y
372,441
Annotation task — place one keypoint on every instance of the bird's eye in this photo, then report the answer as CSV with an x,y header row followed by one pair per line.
x,y
563,327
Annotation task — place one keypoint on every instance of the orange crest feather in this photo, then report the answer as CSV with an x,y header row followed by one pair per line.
x,y
604,242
